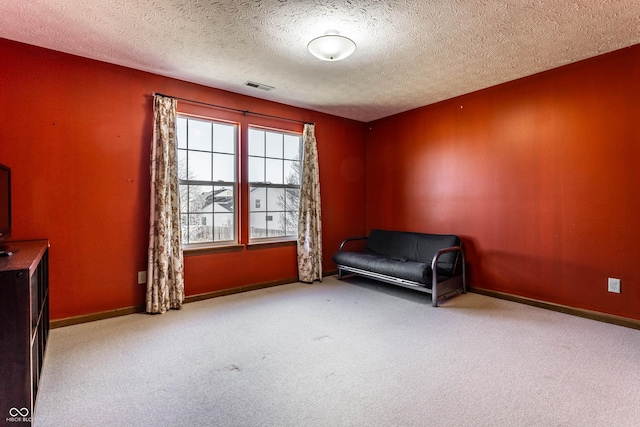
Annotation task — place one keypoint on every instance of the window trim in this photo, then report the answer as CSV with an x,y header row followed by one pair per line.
x,y
198,248
270,240
242,241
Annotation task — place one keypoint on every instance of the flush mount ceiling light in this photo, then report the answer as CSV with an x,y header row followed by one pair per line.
x,y
331,47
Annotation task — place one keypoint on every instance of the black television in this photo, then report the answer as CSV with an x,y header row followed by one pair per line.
x,y
5,208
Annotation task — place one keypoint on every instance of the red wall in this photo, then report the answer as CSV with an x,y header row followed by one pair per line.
x,y
76,133
539,176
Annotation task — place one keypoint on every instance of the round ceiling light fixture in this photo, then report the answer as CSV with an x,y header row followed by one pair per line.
x,y
331,47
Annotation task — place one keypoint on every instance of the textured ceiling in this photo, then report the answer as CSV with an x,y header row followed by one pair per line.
x,y
409,53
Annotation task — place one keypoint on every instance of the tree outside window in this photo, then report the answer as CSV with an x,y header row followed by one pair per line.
x,y
207,180
274,183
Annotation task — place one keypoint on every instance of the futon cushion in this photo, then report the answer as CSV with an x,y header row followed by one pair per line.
x,y
416,247
408,270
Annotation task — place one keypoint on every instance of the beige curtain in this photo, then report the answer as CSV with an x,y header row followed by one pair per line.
x,y
165,272
310,218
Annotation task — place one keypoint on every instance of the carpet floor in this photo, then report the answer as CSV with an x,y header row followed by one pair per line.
x,y
342,353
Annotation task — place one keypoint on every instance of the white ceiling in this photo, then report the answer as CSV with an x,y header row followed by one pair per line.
x,y
409,53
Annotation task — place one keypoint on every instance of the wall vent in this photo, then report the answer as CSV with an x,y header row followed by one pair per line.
x,y
258,86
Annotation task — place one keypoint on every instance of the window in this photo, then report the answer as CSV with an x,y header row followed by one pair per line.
x,y
207,179
274,183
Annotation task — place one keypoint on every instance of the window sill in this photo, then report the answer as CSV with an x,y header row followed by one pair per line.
x,y
267,244
187,252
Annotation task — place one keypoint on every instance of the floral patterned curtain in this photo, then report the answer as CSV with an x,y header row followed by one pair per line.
x,y
310,218
165,272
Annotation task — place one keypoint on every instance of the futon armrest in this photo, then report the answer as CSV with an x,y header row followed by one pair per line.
x,y
434,265
350,239
436,257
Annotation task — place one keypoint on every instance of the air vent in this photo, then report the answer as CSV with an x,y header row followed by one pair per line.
x,y
258,86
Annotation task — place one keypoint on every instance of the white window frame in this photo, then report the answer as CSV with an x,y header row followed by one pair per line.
x,y
187,184
277,191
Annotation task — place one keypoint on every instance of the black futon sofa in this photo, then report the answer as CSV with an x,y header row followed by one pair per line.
x,y
408,259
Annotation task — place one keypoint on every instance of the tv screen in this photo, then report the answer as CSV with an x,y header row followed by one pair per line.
x,y
5,202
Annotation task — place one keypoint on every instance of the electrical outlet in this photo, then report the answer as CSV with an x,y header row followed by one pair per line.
x,y
614,285
142,277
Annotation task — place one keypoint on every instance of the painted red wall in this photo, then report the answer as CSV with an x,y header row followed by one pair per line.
x,y
77,132
540,177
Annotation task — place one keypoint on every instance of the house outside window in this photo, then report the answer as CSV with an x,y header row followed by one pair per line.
x,y
207,179
274,183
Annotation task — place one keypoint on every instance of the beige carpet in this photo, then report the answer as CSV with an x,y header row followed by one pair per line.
x,y
352,353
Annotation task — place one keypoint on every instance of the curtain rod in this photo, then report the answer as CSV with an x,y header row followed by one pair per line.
x,y
244,112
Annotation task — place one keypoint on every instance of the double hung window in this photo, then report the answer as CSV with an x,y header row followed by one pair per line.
x,y
210,191
207,178
274,183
